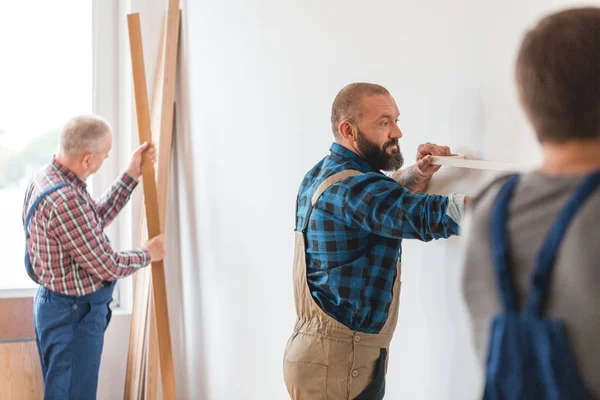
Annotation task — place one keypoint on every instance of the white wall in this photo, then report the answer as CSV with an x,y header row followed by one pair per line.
x,y
256,84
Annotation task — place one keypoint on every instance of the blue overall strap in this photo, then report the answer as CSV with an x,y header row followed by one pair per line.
x,y
499,244
540,280
30,213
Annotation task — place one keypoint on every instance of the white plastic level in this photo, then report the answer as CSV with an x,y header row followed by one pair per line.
x,y
460,162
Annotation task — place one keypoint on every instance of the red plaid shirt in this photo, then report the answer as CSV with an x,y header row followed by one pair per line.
x,y
68,248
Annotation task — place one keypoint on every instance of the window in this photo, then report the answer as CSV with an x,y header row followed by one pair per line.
x,y
75,61
46,77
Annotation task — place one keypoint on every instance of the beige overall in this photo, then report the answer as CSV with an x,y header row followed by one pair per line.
x,y
324,359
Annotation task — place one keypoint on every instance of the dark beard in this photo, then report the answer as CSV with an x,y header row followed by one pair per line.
x,y
378,157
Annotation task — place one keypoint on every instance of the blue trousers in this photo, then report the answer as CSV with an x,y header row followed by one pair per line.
x,y
69,333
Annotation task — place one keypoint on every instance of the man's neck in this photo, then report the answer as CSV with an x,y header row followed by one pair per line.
x,y
71,165
350,146
571,157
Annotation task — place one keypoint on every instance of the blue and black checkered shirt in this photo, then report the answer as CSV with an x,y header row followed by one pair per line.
x,y
355,233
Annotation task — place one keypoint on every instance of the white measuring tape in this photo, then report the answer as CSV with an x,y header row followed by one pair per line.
x,y
460,162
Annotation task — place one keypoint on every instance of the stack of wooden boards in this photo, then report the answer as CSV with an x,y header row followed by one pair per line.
x,y
150,337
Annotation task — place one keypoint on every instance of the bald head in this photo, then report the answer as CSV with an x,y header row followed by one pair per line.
x,y
347,103
83,134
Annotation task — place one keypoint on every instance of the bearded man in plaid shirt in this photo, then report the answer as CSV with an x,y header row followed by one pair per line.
x,y
350,222
70,257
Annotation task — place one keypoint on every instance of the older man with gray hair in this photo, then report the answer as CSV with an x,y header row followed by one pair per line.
x,y
70,257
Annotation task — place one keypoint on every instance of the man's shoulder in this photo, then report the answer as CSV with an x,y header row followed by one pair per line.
x,y
330,166
46,179
326,169
489,190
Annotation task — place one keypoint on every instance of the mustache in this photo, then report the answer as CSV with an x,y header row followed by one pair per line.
x,y
391,142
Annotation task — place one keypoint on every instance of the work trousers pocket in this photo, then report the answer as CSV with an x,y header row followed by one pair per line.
x,y
305,368
305,381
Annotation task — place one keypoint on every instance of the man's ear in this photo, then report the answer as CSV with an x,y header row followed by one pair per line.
x,y
86,160
347,130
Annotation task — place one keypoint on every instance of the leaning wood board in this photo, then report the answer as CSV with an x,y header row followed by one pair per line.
x,y
152,211
136,356
137,334
168,70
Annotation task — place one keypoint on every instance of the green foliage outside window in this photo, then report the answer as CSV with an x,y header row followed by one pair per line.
x,y
16,165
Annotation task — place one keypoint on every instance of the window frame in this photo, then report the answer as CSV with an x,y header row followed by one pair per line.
x,y
112,99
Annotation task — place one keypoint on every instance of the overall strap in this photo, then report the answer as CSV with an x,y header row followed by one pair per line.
x,y
37,202
328,182
30,213
499,244
540,280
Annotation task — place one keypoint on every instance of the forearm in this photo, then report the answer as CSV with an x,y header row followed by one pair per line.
x,y
117,265
110,265
113,201
412,179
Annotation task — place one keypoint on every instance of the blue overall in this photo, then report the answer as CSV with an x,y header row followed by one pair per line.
x,y
529,355
69,333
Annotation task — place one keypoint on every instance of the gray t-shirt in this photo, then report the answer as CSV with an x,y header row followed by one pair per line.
x,y
574,295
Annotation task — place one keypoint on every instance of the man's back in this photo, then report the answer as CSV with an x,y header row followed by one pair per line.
x,y
575,284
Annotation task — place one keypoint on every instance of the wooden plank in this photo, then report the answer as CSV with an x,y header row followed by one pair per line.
x,y
152,360
152,369
137,338
152,211
169,75
157,103
168,72
20,371
135,355
163,94
16,319
461,162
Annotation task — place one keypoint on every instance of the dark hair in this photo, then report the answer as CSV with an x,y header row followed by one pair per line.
x,y
558,75
346,105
